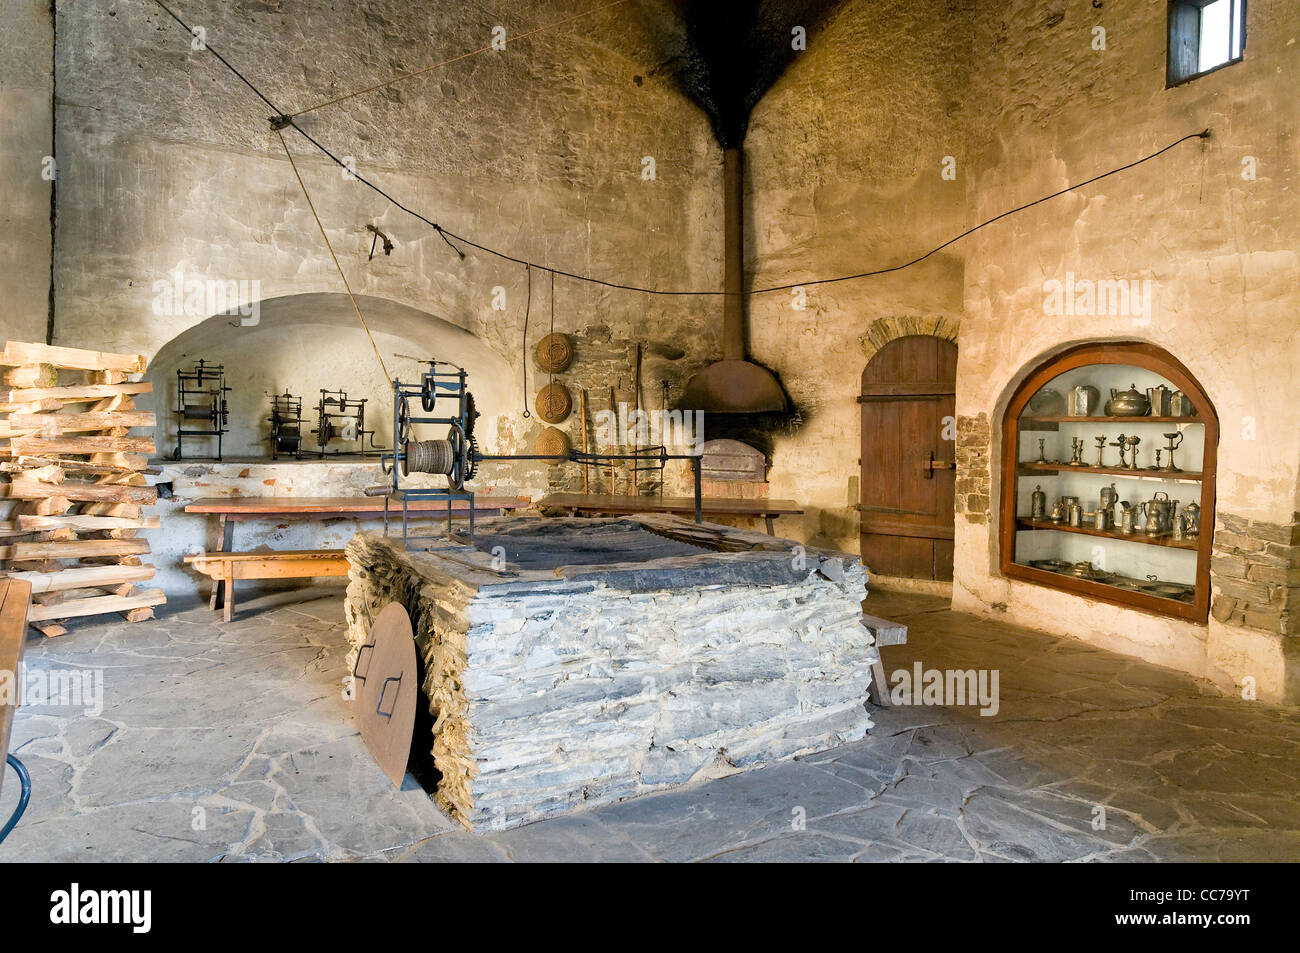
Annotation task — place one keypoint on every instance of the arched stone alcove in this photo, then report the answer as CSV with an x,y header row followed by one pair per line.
x,y
307,342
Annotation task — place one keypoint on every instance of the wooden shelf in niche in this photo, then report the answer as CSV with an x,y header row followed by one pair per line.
x,y
1139,537
1163,475
1111,420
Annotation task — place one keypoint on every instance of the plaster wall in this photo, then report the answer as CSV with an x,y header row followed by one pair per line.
x,y
1219,247
26,107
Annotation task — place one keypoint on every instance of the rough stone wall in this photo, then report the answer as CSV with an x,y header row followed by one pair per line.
x,y
538,150
1220,249
973,474
26,106
1256,568
844,158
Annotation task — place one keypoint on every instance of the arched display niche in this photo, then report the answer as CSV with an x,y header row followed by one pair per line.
x,y
1035,550
308,342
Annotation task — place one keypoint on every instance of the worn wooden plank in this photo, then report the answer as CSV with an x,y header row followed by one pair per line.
x,y
98,605
256,507
83,576
78,549
25,489
41,446
282,565
24,352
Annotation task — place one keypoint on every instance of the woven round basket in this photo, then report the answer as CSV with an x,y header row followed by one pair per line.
x,y
554,353
554,402
551,442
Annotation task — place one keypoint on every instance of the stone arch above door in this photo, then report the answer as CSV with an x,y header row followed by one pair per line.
x,y
884,330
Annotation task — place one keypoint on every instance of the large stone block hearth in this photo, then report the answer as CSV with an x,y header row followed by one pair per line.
x,y
585,661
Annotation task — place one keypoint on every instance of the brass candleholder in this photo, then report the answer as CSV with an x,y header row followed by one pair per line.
x,y
1175,441
1101,449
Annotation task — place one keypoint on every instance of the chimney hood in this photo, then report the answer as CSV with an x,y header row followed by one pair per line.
x,y
734,385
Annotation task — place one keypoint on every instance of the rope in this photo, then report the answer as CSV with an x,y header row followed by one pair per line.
x,y
311,205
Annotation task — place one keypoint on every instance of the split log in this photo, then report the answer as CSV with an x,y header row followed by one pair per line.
x,y
142,614
122,462
71,423
50,506
36,446
23,352
84,576
24,489
79,393
49,629
105,377
78,549
78,466
84,523
31,406
98,605
32,375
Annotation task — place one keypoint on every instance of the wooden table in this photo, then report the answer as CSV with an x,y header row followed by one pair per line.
x,y
15,599
230,510
592,503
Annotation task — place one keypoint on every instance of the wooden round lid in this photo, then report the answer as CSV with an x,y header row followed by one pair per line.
x,y
554,402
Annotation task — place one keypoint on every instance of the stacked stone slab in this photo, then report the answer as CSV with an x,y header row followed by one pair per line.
x,y
77,487
551,688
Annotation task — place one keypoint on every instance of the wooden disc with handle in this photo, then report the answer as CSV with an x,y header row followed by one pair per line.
x,y
387,689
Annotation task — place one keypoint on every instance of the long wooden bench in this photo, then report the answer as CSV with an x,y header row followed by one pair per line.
x,y
287,564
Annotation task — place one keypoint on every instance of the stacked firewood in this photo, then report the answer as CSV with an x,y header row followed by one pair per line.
x,y
76,482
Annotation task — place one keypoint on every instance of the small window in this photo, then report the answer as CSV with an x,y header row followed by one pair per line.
x,y
1203,36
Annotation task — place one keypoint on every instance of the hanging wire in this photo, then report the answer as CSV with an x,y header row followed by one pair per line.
x,y
282,120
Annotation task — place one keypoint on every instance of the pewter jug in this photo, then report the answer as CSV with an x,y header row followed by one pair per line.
x,y
1160,400
1127,520
1180,405
1076,514
1108,496
1084,401
1129,403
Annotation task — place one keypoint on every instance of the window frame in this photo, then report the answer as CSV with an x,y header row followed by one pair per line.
x,y
1184,7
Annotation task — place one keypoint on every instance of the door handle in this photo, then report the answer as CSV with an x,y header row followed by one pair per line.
x,y
931,464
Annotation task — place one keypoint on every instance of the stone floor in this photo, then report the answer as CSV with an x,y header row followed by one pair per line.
x,y
228,742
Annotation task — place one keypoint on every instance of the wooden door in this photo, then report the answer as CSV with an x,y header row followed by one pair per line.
x,y
908,443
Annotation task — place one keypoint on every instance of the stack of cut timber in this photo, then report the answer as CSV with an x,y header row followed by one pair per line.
x,y
77,484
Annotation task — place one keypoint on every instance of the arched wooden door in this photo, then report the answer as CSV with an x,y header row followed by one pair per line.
x,y
908,442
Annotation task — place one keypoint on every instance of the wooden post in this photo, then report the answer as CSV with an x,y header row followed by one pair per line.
x,y
582,413
613,411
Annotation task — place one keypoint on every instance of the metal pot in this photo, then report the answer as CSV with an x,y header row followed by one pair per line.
x,y
1129,403
1038,504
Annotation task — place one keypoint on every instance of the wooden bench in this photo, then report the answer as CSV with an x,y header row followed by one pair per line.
x,y
225,568
230,510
